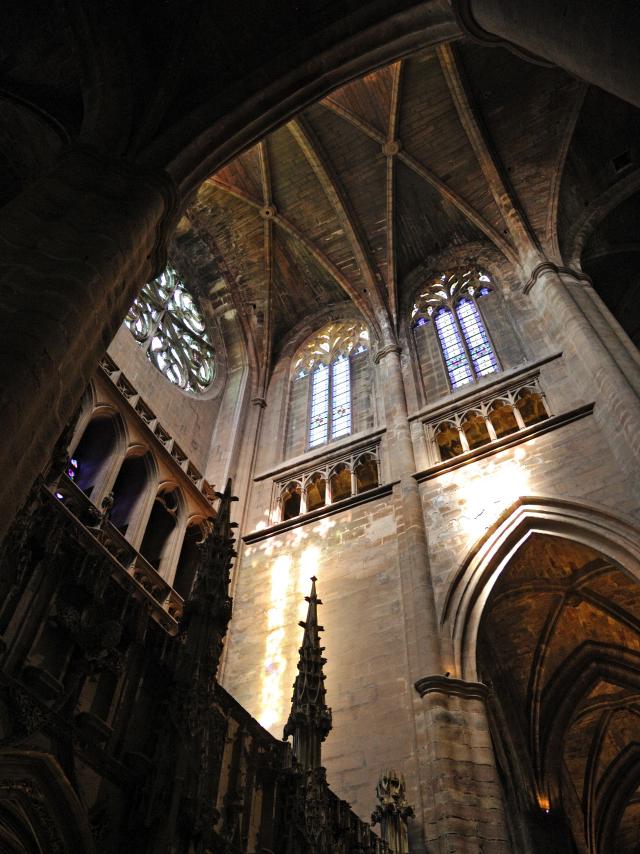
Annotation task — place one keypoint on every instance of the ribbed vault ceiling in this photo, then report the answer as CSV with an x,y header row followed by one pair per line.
x,y
457,145
560,642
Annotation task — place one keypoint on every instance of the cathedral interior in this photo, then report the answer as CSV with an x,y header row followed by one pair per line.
x,y
320,388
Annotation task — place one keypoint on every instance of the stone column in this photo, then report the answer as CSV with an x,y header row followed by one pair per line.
x,y
75,247
420,610
418,619
595,41
601,373
467,808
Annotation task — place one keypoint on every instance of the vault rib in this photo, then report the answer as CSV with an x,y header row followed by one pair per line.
x,y
486,155
326,263
430,178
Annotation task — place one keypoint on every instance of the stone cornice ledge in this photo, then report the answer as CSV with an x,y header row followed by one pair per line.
x,y
319,455
549,267
390,348
320,513
506,442
451,687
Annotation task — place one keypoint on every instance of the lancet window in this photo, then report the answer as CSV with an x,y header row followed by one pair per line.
x,y
327,359
167,323
450,303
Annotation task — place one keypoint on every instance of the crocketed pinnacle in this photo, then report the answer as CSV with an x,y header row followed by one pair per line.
x,y
310,718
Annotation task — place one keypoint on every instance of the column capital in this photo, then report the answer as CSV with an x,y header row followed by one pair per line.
x,y
547,267
451,687
466,20
390,348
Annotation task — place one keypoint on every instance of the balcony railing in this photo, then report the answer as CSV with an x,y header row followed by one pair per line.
x,y
146,414
322,485
97,525
502,413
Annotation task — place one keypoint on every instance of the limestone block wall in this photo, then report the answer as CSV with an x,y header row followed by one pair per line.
x,y
364,556
354,556
189,419
573,462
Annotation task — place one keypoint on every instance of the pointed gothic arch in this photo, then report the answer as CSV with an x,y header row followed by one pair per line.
x,y
39,807
590,525
544,612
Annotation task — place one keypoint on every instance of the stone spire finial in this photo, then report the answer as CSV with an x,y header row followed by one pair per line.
x,y
310,718
393,811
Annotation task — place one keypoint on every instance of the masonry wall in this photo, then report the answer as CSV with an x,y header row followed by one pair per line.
x,y
354,556
442,744
573,461
188,418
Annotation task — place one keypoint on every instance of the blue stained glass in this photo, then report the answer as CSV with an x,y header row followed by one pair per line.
x,y
482,355
453,349
341,398
319,406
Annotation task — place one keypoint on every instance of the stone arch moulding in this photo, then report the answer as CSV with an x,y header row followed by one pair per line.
x,y
369,36
34,783
591,525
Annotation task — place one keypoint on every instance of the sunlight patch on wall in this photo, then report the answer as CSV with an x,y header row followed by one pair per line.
x,y
293,562
307,566
485,495
272,696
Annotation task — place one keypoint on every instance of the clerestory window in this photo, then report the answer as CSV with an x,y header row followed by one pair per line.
x,y
450,303
168,325
327,360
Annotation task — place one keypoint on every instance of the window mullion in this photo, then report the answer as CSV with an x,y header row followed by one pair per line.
x,y
330,403
463,340
157,324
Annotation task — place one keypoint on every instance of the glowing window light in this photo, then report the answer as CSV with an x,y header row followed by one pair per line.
x,y
340,398
319,406
475,334
72,468
462,335
167,323
452,348
326,357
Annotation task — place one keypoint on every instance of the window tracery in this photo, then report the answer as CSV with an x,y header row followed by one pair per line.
x,y
326,358
450,301
167,323
322,486
488,420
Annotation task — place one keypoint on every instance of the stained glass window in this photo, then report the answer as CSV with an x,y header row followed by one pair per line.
x,y
326,357
450,300
453,350
340,398
482,355
319,406
167,323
